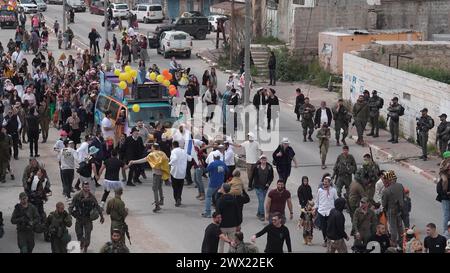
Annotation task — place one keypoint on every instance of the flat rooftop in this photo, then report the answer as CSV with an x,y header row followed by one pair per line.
x,y
423,43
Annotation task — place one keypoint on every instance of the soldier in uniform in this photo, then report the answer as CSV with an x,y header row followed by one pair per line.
x,y
25,216
84,208
368,175
424,124
443,134
375,104
324,136
361,115
341,118
116,245
343,169
307,111
116,209
57,223
395,111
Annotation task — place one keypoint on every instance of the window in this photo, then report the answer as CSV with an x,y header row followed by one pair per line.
x,y
122,6
155,8
103,103
327,49
114,108
179,37
142,8
304,3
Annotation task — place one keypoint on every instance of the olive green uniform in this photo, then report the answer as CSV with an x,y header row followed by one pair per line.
x,y
394,121
57,224
375,104
368,176
116,209
341,118
114,247
356,193
361,116
307,111
364,223
443,136
344,168
25,219
424,124
44,120
324,136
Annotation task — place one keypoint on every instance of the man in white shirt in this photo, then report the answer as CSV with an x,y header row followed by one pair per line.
x,y
182,135
29,96
379,188
323,115
67,162
326,196
252,153
210,157
17,56
107,126
229,158
178,164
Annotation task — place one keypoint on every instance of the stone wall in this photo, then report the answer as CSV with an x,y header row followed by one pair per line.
x,y
425,54
414,92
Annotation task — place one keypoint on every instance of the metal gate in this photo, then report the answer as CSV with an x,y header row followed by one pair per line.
x,y
271,23
173,8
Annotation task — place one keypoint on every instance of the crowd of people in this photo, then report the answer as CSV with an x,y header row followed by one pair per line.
x,y
63,94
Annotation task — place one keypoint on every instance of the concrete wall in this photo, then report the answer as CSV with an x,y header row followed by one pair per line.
x,y
414,92
428,17
345,43
426,54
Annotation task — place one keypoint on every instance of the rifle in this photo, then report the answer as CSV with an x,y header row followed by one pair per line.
x,y
126,231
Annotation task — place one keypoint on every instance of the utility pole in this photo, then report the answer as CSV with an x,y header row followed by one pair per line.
x,y
64,16
232,34
106,31
248,39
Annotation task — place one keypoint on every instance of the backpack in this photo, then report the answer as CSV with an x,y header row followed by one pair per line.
x,y
402,110
84,169
432,124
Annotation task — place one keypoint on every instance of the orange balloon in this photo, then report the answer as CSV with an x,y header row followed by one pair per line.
x,y
165,72
169,76
172,87
172,92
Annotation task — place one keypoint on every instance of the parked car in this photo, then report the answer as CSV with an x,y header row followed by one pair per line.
x,y
191,13
148,12
197,27
120,10
42,6
175,42
77,5
28,6
8,18
97,7
55,2
213,21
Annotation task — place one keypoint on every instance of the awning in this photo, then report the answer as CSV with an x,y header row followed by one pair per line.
x,y
224,8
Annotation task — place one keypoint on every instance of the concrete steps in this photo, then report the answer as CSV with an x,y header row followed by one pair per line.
x,y
260,55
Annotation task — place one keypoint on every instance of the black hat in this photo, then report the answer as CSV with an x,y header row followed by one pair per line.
x,y
374,92
395,98
443,115
424,110
134,129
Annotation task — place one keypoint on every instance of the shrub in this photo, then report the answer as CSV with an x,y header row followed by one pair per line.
x,y
382,123
436,74
269,40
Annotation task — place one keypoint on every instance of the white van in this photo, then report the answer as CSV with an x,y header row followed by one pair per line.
x,y
148,13
77,5
175,42
119,10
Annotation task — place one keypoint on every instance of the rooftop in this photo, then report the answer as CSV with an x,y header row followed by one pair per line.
x,y
352,32
419,43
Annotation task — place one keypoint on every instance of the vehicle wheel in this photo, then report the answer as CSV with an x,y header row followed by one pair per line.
x,y
188,54
165,53
201,35
213,29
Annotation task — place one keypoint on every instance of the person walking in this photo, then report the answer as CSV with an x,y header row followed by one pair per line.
x,y
282,158
57,223
85,209
343,170
44,119
272,65
13,125
443,134
252,153
364,221
307,112
86,167
361,115
443,192
336,228
434,242
217,171
228,158
24,216
304,192
392,202
261,179
213,234
276,202
395,111
277,235
66,158
299,101
33,131
227,205
323,115
324,135
424,124
118,212
56,27
178,166
133,147
159,162
112,167
116,245
325,201
375,103
342,119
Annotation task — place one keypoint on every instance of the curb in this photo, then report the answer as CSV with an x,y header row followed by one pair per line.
x,y
75,41
379,151
207,60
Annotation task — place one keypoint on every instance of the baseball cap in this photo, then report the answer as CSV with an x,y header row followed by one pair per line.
x,y
424,110
443,115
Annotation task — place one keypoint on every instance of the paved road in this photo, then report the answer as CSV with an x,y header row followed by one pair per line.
x,y
181,229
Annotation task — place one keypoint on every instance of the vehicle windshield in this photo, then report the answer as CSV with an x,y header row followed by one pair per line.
x,y
179,37
122,6
26,2
148,114
39,1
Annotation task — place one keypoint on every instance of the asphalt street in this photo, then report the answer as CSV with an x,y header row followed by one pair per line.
x,y
181,229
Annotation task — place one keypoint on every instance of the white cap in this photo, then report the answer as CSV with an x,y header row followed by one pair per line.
x,y
285,140
217,154
251,136
198,143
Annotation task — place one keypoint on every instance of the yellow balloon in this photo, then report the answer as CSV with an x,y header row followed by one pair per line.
x,y
136,108
117,72
122,85
153,76
123,76
134,73
160,78
130,80
167,83
127,68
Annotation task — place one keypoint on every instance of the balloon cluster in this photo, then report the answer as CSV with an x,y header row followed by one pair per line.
x,y
126,77
164,78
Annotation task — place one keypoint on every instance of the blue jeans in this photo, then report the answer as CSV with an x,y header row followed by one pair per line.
x,y
208,199
261,194
198,179
445,215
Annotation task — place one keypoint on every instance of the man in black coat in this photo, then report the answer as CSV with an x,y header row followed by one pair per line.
x,y
323,114
133,147
336,228
228,207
